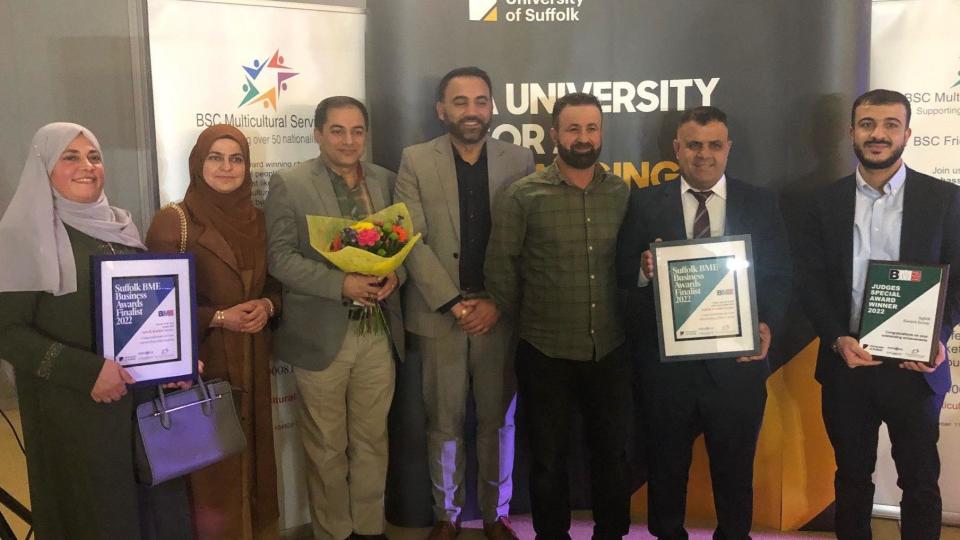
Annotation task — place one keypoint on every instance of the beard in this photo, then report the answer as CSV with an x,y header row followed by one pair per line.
x,y
458,132
889,162
579,156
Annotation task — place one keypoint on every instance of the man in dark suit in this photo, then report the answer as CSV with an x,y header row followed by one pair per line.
x,y
883,211
721,398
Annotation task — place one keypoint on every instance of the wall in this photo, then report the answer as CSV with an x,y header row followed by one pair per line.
x,y
74,61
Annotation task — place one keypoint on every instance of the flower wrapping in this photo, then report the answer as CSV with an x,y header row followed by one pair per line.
x,y
325,231
374,246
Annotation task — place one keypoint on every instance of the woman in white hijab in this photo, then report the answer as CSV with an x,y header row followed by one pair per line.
x,y
77,416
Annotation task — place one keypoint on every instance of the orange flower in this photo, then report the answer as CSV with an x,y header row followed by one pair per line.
x,y
402,235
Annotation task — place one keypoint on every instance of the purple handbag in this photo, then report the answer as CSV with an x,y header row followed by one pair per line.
x,y
186,430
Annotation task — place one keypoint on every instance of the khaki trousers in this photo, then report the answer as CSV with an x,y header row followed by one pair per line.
x,y
343,424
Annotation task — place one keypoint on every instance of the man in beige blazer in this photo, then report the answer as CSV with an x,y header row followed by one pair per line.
x,y
345,381
448,184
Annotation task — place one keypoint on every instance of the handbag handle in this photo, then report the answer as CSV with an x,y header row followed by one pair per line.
x,y
206,404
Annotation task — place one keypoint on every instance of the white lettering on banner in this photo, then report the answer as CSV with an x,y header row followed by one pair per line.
x,y
614,96
550,11
577,3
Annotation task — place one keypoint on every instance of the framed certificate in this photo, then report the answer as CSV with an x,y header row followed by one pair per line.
x,y
145,314
902,311
705,298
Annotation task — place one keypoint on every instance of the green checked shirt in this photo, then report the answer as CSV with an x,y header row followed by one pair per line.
x,y
551,260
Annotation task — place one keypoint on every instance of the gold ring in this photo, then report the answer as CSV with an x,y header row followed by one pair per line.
x,y
463,313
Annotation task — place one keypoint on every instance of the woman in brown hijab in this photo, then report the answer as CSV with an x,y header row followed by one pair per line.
x,y
236,498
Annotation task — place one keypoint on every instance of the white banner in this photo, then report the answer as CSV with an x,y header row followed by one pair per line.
x,y
914,49
262,66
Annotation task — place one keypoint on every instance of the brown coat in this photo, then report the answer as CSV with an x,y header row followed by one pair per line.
x,y
236,498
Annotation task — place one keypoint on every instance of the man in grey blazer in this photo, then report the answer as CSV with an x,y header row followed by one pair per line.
x,y
448,184
345,380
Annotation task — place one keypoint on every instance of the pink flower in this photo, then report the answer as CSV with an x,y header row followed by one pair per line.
x,y
368,237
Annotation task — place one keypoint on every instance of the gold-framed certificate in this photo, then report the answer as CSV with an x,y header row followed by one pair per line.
x,y
903,310
705,297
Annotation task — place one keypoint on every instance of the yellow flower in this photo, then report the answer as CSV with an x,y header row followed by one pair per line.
x,y
362,226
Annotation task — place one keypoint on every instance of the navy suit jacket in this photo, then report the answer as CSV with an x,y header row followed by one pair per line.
x,y
657,212
930,233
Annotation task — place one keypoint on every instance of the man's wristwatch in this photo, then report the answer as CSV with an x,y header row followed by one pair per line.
x,y
835,347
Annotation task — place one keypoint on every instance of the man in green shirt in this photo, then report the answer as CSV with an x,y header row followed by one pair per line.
x,y
550,263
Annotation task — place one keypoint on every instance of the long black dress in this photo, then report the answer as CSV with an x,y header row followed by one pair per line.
x,y
79,452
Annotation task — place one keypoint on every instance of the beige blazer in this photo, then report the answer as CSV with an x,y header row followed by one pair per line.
x,y
427,183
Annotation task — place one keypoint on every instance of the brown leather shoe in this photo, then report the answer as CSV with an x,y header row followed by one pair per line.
x,y
500,530
444,530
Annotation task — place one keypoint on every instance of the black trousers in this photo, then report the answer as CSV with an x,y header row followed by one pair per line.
x,y
855,402
681,401
551,391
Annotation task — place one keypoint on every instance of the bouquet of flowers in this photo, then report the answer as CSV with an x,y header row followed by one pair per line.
x,y
375,246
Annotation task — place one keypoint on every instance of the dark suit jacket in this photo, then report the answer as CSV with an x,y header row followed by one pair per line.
x,y
657,212
930,233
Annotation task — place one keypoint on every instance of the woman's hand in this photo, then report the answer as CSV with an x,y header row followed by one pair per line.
x,y
257,315
183,385
249,317
111,383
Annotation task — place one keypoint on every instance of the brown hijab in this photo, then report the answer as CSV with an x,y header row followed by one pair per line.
x,y
231,214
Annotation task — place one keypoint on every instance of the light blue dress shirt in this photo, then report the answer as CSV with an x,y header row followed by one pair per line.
x,y
876,232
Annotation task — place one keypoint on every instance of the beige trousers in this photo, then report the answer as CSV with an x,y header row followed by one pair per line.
x,y
343,424
453,365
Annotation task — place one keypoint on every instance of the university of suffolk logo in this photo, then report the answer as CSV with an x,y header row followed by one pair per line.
x,y
266,72
483,10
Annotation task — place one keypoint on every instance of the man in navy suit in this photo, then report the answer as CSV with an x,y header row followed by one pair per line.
x,y
721,398
883,211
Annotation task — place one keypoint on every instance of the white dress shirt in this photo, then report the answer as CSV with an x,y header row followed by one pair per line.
x,y
716,206
716,209
876,232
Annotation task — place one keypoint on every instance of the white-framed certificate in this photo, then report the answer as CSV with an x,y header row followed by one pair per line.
x,y
145,314
902,310
705,297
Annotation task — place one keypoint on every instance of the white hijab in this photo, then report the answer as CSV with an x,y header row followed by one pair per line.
x,y
35,251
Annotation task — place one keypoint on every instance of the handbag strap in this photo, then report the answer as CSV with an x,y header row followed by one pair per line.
x,y
164,412
205,403
183,225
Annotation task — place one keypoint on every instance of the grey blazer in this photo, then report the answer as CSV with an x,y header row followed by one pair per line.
x,y
427,183
314,316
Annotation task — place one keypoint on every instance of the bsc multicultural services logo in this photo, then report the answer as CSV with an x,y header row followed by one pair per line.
x,y
263,73
483,10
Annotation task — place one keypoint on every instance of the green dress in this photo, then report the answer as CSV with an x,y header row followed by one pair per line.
x,y
79,452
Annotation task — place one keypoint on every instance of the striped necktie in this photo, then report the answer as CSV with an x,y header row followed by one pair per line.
x,y
701,223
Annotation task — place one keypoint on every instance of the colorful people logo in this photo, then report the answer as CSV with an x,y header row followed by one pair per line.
x,y
269,97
